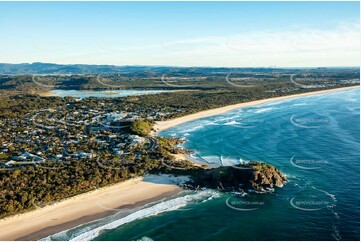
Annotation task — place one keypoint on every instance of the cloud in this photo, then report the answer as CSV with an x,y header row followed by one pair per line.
x,y
304,47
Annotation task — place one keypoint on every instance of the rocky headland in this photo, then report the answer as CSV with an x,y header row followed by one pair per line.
x,y
253,176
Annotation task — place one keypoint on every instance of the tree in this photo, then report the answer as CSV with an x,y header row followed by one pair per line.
x,y
141,127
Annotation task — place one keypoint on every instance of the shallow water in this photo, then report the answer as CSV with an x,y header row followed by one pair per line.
x,y
314,140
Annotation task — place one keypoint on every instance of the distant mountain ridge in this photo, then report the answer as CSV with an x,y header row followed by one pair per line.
x,y
50,68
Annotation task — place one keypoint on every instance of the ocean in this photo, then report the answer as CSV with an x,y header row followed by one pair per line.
x,y
314,140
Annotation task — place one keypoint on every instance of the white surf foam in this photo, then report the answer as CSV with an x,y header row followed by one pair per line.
x,y
232,123
332,196
299,104
145,239
211,159
229,161
262,110
161,207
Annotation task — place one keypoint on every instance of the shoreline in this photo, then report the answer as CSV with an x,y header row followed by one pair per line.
x,y
163,125
88,207
105,201
46,94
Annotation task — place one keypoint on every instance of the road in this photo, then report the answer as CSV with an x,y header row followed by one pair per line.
x,y
152,144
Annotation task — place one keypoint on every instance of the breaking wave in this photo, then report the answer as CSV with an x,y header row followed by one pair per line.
x,y
91,232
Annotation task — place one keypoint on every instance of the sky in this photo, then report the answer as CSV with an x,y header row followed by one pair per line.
x,y
219,34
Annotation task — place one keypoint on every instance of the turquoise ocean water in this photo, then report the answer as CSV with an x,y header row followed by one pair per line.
x,y
314,140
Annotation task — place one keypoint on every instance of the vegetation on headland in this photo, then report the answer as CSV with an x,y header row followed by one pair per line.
x,y
141,127
255,176
37,186
85,148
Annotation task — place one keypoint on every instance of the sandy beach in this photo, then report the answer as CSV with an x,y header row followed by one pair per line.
x,y
88,207
105,201
46,94
163,125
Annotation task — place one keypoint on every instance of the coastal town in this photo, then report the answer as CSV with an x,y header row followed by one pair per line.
x,y
73,128
55,148
71,132
180,120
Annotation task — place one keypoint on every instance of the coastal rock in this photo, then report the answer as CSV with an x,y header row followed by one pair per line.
x,y
265,176
257,176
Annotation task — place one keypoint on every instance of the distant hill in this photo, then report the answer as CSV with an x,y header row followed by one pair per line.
x,y
44,76
49,68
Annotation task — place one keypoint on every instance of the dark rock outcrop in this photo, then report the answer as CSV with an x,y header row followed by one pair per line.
x,y
257,176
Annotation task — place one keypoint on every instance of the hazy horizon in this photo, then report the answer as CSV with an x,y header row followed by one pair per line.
x,y
266,67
